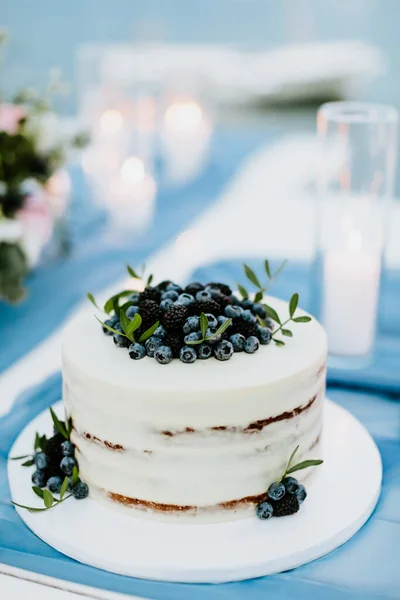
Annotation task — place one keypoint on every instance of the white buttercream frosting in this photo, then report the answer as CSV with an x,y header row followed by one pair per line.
x,y
191,435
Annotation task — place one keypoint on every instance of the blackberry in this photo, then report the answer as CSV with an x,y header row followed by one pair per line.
x,y
224,289
150,293
173,341
149,311
206,306
288,505
223,301
54,453
193,288
174,319
245,328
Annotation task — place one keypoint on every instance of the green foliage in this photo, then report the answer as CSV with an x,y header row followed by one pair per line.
x,y
13,270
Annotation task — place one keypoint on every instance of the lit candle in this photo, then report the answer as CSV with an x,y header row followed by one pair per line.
x,y
351,289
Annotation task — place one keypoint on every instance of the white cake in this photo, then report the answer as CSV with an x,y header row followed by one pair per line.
x,y
197,442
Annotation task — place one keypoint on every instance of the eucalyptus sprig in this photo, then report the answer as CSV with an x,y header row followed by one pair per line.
x,y
291,468
272,314
252,277
130,326
203,329
112,304
49,500
134,274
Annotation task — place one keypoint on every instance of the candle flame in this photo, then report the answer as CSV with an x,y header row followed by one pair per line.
x,y
133,170
111,121
184,116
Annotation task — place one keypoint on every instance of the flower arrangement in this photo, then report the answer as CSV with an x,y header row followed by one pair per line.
x,y
33,187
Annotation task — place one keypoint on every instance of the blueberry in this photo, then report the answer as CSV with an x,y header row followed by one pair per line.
x,y
39,478
171,295
191,324
120,340
246,303
301,493
235,301
259,310
237,340
248,316
151,344
221,320
41,461
185,299
67,448
276,491
67,464
160,332
195,336
204,351
166,304
131,311
187,354
233,312
194,287
224,350
264,510
212,321
251,345
137,351
80,491
110,323
174,287
214,292
134,298
210,333
291,485
264,335
54,484
163,355
203,295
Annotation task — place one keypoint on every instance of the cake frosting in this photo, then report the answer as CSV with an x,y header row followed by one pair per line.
x,y
198,442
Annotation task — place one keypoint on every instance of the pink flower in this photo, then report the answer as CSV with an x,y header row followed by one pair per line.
x,y
10,116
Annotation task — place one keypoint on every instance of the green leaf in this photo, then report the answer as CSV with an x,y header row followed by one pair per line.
x,y
196,342
64,487
302,319
28,463
134,324
243,291
112,303
37,441
251,276
294,300
58,424
91,299
290,462
48,498
38,491
132,272
30,508
108,327
278,342
271,312
20,457
304,465
287,332
149,332
203,324
267,269
149,280
261,321
75,476
125,322
222,328
126,305
280,268
259,296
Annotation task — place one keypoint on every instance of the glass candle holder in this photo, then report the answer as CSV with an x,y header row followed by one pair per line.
x,y
355,188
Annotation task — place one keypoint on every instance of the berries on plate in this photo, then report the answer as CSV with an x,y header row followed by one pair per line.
x,y
191,324
137,351
41,461
151,344
54,484
175,317
39,478
288,505
204,351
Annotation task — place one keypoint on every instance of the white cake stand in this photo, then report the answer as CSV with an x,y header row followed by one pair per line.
x,y
341,497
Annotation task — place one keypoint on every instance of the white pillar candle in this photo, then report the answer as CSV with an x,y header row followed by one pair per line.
x,y
351,289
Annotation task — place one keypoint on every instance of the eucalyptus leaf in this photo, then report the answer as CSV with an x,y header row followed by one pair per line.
x,y
271,312
38,491
48,498
261,321
134,324
294,301
30,508
259,296
64,487
125,322
251,276
75,476
278,342
304,319
287,332
132,272
196,342
222,328
203,324
243,291
37,441
91,299
149,280
149,332
267,269
290,461
58,424
28,463
20,457
304,465
109,328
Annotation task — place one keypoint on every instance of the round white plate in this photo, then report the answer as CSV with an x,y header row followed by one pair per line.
x,y
332,513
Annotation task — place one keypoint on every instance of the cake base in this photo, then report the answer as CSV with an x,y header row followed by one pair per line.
x,y
334,511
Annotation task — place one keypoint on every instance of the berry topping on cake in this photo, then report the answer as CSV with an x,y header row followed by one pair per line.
x,y
39,478
163,355
187,354
288,505
223,350
54,484
204,351
80,491
237,340
276,491
150,293
67,464
175,317
151,344
264,510
137,351
251,345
